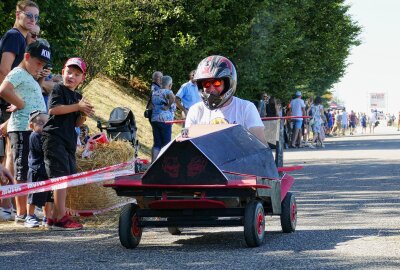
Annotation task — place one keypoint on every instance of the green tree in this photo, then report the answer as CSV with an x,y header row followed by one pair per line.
x,y
297,45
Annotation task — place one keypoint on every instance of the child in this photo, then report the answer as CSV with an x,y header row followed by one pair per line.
x,y
67,109
37,171
84,134
25,95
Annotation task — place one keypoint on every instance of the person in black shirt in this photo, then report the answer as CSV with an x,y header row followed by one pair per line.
x,y
12,49
67,109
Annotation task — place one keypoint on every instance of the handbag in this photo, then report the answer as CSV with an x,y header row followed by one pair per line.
x,y
147,113
149,109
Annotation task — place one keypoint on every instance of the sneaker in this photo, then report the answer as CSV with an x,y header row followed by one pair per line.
x,y
5,214
66,224
311,146
39,212
323,145
19,218
31,221
47,223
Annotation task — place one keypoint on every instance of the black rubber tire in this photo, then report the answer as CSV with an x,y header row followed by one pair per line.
x,y
128,231
174,230
289,213
254,224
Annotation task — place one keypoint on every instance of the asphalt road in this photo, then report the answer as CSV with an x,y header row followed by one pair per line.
x,y
348,218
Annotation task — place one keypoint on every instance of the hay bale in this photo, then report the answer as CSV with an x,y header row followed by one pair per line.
x,y
95,196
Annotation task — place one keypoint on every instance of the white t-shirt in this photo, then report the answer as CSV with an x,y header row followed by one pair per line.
x,y
296,105
239,111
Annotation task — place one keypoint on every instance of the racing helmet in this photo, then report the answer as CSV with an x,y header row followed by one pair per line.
x,y
216,67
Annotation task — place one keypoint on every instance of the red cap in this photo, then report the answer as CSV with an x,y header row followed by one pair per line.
x,y
76,62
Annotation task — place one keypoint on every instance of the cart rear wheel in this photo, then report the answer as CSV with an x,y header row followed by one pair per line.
x,y
174,230
129,231
254,224
289,213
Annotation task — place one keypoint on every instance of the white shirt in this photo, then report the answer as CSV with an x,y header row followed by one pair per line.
x,y
239,111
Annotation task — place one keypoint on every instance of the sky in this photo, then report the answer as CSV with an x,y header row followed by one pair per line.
x,y
374,65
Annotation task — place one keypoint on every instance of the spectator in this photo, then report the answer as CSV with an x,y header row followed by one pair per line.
x,y
24,94
345,121
297,108
316,122
33,35
155,85
37,171
337,124
372,120
330,122
306,126
12,49
352,122
84,134
262,106
187,95
67,109
164,107
398,123
216,76
363,123
272,107
45,78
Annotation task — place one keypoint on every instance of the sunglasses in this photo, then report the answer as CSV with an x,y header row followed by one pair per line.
x,y
31,16
215,83
34,35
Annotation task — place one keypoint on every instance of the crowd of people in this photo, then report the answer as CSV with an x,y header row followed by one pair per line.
x,y
38,120
313,119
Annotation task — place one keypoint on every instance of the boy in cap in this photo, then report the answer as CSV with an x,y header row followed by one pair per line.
x,y
37,171
22,91
67,109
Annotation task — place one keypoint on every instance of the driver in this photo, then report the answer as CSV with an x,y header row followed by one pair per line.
x,y
216,78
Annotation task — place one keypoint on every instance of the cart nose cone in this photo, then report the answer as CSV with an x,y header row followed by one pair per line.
x,y
211,159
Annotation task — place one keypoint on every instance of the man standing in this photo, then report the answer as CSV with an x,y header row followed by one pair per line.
x,y
155,85
352,122
12,49
297,108
187,95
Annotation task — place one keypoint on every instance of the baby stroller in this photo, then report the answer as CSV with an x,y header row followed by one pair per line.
x,y
121,126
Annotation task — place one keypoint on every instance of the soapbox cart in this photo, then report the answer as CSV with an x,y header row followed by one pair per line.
x,y
220,175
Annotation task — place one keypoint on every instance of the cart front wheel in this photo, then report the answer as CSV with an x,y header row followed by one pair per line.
x,y
289,213
129,231
254,224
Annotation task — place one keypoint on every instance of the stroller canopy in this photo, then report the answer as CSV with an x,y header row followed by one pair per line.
x,y
120,116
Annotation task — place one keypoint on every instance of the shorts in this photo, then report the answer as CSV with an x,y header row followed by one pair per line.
x,y
38,199
20,150
297,123
352,125
58,159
